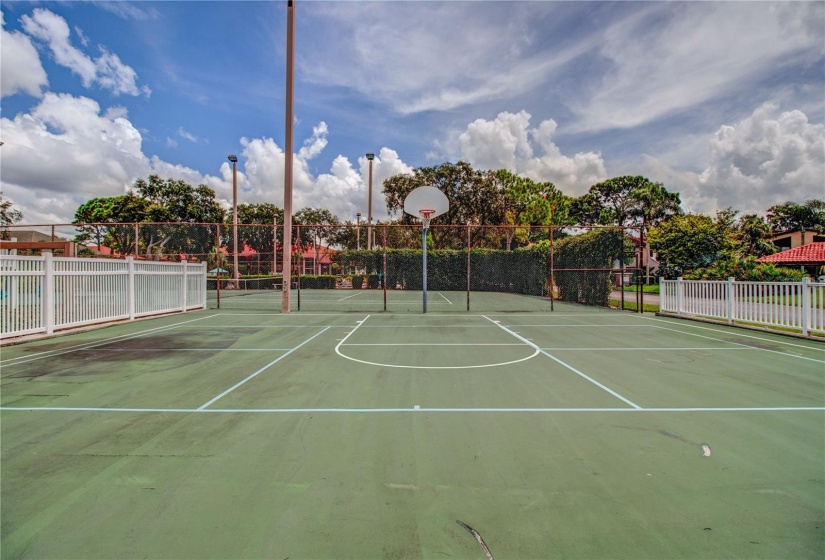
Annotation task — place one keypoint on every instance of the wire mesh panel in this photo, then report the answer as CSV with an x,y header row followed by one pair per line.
x,y
469,268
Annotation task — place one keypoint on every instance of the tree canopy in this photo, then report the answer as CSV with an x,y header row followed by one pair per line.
x,y
790,216
8,216
626,201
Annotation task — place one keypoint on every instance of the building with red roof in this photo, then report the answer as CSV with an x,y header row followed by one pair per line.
x,y
811,257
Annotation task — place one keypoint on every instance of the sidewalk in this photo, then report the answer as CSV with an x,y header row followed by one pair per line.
x,y
651,299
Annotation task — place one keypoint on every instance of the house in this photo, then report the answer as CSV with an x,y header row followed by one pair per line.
x,y
810,257
794,239
251,261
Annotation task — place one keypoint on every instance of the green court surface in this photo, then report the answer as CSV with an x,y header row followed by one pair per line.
x,y
581,433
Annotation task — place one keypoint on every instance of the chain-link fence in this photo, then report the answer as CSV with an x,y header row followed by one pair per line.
x,y
337,268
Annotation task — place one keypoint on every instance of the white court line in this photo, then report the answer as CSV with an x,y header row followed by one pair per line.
x,y
275,361
434,344
568,366
605,349
87,346
401,366
744,345
410,409
634,325
353,295
194,349
688,323
445,297
273,327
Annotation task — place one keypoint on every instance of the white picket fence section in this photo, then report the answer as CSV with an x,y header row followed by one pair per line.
x,y
791,305
44,294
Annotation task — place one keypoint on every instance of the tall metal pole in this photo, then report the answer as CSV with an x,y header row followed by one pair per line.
x,y
424,256
290,94
358,229
370,157
235,275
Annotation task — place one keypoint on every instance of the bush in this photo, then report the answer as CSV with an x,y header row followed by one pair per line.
x,y
746,270
357,282
323,282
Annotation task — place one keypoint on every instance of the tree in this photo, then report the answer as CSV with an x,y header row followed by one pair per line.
x,y
98,218
752,237
256,230
319,225
528,203
474,197
689,242
8,217
174,200
791,216
626,201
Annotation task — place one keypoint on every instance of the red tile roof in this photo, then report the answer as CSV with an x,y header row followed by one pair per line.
x,y
812,253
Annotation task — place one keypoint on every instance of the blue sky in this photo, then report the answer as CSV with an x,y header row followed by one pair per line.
x,y
722,102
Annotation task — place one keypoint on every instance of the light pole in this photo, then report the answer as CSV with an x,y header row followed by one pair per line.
x,y
234,159
358,229
370,157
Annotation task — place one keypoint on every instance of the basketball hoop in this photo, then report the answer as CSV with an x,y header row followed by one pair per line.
x,y
425,217
425,203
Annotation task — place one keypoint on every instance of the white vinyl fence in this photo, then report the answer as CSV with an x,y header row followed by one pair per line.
x,y
792,305
43,294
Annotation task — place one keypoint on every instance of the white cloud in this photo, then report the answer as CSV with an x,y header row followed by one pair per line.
x,y
507,143
187,136
668,57
413,59
765,159
107,70
82,36
65,152
20,67
316,143
114,75
53,29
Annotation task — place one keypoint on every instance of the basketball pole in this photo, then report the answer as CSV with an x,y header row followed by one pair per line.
x,y
424,253
290,93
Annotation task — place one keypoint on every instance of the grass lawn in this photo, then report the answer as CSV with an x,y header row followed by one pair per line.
x,y
647,289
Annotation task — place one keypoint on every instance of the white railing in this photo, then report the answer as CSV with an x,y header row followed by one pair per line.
x,y
43,294
792,305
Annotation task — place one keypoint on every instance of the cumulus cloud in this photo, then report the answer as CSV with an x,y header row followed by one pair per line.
x,y
507,143
107,70
766,158
67,151
20,67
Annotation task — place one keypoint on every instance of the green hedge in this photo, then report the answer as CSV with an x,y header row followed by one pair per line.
x,y
595,249
324,282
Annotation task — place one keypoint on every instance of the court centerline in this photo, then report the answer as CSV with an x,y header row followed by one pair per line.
x,y
414,409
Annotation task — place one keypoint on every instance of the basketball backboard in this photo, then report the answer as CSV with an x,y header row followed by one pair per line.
x,y
425,203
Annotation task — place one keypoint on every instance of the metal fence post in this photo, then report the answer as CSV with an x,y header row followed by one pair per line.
x,y
130,286
730,302
805,311
48,292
